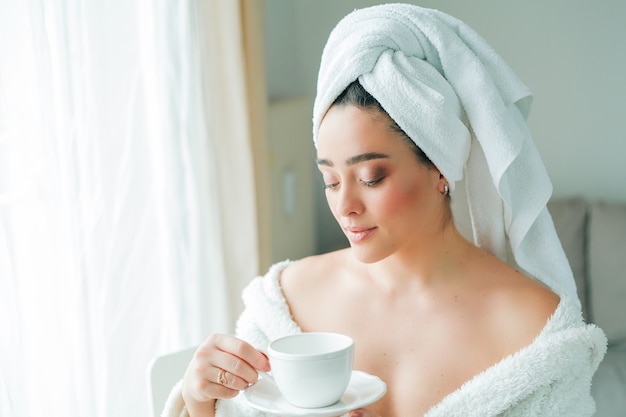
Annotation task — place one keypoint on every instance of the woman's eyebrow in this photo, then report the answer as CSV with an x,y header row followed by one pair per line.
x,y
355,159
365,157
325,162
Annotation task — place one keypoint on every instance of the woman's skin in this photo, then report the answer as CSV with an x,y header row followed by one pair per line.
x,y
427,309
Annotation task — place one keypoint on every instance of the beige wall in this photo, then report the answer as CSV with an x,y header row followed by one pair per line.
x,y
291,164
571,53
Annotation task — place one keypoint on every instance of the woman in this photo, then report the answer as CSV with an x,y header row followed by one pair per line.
x,y
415,112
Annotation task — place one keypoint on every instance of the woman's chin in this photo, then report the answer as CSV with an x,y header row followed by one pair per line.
x,y
367,255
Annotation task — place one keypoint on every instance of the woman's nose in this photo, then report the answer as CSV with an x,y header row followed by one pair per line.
x,y
348,201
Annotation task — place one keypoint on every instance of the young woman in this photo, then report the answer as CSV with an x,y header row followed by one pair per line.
x,y
413,109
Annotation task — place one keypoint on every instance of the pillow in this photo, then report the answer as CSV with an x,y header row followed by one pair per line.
x,y
569,216
607,269
607,387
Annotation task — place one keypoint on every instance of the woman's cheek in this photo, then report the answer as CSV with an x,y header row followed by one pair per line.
x,y
400,198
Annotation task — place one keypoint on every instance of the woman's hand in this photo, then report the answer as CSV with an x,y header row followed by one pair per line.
x,y
221,367
362,412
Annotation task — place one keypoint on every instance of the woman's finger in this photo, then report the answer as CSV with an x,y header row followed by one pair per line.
x,y
231,380
242,350
239,373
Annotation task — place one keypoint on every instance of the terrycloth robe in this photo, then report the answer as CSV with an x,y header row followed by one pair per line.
x,y
549,377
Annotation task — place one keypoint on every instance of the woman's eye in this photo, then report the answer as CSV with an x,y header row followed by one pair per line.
x,y
372,183
330,186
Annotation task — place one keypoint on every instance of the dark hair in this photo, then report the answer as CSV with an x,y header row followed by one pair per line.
x,y
356,95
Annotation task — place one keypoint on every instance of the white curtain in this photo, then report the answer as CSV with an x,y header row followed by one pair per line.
x,y
120,236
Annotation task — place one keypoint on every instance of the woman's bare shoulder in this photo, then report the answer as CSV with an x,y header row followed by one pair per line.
x,y
310,282
312,270
520,306
508,287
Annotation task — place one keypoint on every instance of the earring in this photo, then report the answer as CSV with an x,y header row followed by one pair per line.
x,y
446,189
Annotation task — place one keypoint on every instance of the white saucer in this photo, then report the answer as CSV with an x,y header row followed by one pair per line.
x,y
363,389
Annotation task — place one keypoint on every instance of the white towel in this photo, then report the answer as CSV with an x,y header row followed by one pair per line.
x,y
466,109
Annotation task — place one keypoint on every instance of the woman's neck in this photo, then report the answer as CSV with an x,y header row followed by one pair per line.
x,y
426,263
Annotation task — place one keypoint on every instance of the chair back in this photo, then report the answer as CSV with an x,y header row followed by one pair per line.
x,y
163,373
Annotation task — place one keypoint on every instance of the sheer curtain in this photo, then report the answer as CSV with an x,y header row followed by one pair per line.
x,y
128,219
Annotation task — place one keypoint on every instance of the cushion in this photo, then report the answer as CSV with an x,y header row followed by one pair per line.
x,y
569,216
609,385
606,253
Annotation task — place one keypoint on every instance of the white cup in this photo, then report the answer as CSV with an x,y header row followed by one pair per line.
x,y
312,370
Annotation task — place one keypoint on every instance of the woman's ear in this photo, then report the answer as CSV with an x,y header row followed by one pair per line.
x,y
443,186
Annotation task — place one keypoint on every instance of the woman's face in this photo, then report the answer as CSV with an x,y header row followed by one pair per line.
x,y
385,199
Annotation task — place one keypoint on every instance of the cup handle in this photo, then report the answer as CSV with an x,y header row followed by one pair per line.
x,y
267,376
264,374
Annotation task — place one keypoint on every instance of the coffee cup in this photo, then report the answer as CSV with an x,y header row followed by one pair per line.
x,y
312,370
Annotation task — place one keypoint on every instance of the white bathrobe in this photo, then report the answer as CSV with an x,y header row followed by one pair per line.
x,y
550,377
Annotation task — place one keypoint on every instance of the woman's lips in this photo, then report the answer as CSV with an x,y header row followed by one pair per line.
x,y
358,234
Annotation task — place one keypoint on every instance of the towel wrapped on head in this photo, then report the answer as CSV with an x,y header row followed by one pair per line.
x,y
465,108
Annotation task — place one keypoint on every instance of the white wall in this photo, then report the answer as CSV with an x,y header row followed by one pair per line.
x,y
571,53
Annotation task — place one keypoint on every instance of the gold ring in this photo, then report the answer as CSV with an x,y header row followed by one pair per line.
x,y
221,377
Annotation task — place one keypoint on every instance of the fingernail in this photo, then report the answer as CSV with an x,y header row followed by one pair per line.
x,y
267,366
